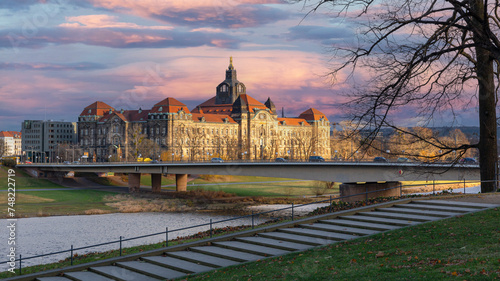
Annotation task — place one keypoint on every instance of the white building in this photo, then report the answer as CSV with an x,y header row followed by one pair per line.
x,y
11,143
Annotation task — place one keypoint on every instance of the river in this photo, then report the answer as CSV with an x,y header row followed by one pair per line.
x,y
41,235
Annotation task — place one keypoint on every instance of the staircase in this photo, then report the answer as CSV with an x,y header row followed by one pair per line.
x,y
268,242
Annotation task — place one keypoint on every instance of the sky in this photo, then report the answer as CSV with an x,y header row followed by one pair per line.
x,y
59,56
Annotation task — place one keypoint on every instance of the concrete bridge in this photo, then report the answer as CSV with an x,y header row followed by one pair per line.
x,y
349,173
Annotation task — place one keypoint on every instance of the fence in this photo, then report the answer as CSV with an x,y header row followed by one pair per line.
x,y
211,224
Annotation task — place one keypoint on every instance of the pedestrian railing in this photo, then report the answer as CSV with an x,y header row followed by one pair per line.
x,y
211,224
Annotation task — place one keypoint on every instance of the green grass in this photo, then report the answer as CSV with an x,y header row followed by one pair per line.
x,y
420,183
146,180
24,181
461,248
53,203
278,189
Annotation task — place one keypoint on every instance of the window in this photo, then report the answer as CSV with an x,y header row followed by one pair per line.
x,y
163,130
157,130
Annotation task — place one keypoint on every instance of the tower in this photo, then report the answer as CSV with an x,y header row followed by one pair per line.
x,y
230,89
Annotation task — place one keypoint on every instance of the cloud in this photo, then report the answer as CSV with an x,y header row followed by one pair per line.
x,y
319,33
50,66
222,14
116,38
105,21
20,4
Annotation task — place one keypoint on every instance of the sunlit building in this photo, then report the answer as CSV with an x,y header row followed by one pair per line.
x,y
10,143
230,125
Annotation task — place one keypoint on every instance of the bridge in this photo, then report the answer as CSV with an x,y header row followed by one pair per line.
x,y
350,173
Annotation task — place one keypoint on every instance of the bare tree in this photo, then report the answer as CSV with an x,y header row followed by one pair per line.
x,y
428,55
135,143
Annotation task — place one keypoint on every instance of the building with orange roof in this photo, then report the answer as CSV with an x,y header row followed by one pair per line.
x,y
230,125
10,143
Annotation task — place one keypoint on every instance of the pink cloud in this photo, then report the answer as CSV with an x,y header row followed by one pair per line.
x,y
105,21
229,13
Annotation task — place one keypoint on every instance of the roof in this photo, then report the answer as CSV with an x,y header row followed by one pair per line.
x,y
209,106
312,115
212,118
98,108
246,101
127,115
10,134
169,105
293,121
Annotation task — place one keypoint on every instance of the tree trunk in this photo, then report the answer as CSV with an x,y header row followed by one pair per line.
x,y
487,108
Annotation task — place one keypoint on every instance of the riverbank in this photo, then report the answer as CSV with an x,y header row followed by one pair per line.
x,y
206,193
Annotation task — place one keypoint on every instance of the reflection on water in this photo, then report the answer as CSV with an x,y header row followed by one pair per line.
x,y
41,235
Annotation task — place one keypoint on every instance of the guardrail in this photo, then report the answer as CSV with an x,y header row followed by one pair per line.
x,y
211,224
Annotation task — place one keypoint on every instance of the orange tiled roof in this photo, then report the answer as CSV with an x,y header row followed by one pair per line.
x,y
169,105
10,134
212,118
209,106
5,134
312,115
135,115
97,108
127,115
293,121
252,103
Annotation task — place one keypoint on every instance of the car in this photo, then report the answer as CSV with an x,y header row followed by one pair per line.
x,y
155,162
217,160
76,162
380,159
467,160
403,160
28,162
66,162
316,159
279,159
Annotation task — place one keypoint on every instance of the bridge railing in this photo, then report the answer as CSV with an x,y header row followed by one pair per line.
x,y
210,224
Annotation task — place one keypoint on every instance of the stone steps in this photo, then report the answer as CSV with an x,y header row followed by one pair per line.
x,y
176,264
339,229
273,243
360,224
225,253
150,269
410,211
121,274
434,207
86,276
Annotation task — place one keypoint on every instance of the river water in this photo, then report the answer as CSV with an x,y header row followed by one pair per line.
x,y
41,235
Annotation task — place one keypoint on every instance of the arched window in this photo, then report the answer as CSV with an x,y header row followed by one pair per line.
x,y
223,88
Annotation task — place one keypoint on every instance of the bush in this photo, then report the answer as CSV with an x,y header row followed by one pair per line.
x,y
320,187
9,163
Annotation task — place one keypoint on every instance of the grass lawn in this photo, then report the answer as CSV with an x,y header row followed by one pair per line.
x,y
460,248
24,181
146,179
278,189
420,183
53,203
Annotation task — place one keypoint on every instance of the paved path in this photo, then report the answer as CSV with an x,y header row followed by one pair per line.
x,y
233,249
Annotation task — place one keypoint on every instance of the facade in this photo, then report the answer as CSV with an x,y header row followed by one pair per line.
x,y
11,143
231,125
41,139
